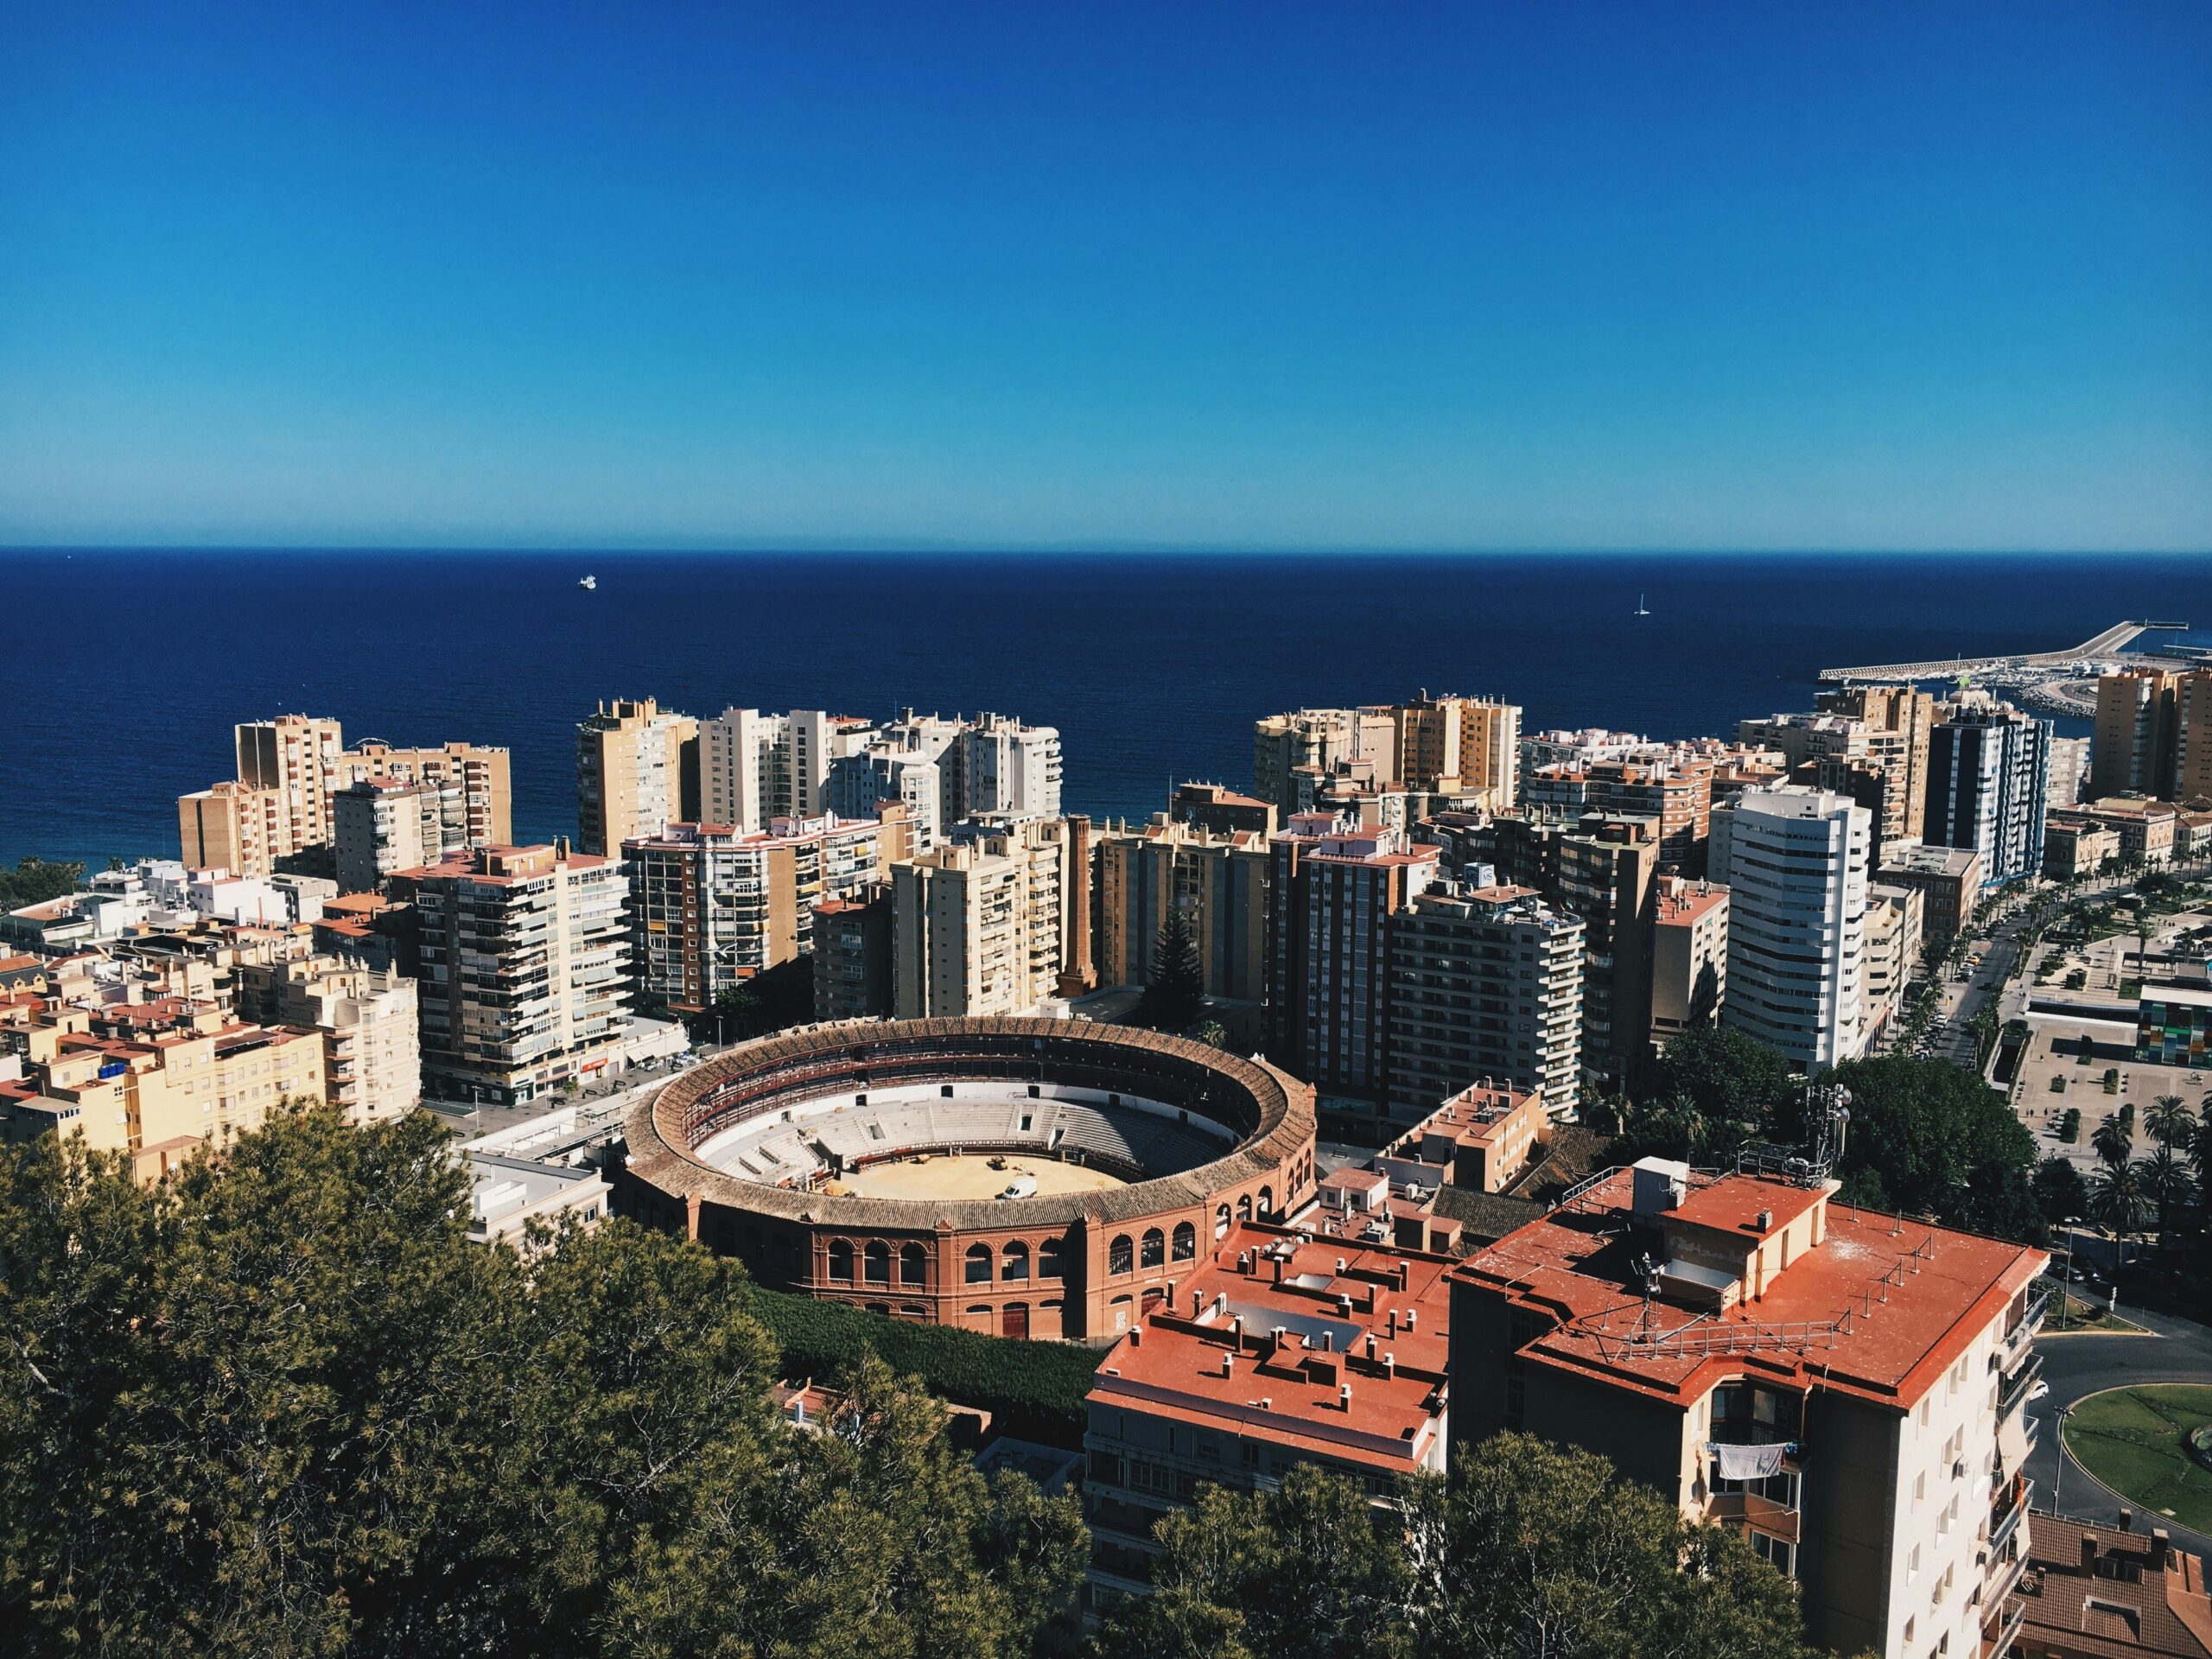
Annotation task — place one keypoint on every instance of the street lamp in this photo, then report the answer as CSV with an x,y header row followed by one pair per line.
x,y
2058,1451
2067,1278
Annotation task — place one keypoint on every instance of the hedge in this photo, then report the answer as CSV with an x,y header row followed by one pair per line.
x,y
1033,1389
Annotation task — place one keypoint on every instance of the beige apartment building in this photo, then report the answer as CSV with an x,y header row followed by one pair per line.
x,y
476,795
1316,741
1896,923
1461,745
367,1017
637,771
525,969
234,827
1217,881
1845,1388
157,1080
983,926
1689,957
384,825
713,905
296,755
1898,720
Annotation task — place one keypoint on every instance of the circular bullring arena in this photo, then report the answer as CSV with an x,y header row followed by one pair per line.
x,y
1027,1178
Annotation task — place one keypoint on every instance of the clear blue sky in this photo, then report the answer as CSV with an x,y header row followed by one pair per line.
x,y
1518,275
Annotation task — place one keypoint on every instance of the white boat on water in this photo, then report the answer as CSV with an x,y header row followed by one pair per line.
x,y
1642,609
588,583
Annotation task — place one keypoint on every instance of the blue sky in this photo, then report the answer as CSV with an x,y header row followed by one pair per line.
x,y
1566,275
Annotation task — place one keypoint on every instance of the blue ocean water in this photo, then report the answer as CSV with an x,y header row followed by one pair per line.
x,y
124,670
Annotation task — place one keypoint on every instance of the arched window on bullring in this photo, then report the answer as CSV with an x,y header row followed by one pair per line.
x,y
1245,1208
913,1265
979,1264
1155,1248
876,1259
1121,1255
1221,1221
1267,1202
840,1261
1014,1263
1186,1241
1048,1259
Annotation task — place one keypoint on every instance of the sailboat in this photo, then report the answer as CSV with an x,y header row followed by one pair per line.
x,y
588,584
1642,609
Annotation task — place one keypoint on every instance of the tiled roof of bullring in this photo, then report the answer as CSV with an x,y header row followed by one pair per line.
x,y
660,1156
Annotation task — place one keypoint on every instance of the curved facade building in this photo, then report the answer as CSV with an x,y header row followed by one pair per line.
x,y
1025,1178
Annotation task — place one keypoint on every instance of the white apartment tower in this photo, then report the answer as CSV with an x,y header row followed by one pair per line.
x,y
981,927
1797,877
755,768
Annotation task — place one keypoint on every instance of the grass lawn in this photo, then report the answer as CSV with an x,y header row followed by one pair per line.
x,y
2132,1440
2070,1312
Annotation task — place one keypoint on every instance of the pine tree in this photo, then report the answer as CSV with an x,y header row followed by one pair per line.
x,y
1175,995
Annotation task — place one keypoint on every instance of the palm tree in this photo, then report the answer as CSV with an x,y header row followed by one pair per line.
x,y
2112,1141
2116,1198
2168,1119
2165,1181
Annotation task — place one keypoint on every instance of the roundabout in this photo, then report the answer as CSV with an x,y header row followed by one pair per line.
x,y
2148,1443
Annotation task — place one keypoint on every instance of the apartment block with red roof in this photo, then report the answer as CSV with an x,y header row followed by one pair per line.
x,y
1289,1347
1845,1388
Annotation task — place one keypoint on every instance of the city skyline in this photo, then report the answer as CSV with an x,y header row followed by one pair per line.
x,y
1500,279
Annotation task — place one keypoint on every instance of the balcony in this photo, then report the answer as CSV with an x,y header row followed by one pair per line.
x,y
2018,1338
2016,1385
1997,1638
2005,1517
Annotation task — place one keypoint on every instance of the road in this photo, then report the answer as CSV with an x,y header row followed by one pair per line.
x,y
2179,1351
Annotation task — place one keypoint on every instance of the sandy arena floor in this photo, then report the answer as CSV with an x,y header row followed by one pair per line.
x,y
972,1177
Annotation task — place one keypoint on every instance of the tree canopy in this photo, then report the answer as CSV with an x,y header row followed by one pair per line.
x,y
34,880
280,1404
1576,1563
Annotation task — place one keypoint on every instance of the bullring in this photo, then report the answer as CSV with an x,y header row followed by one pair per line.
x,y
1112,1157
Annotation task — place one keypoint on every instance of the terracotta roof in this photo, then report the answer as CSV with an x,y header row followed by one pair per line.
x,y
2073,1609
1289,1392
1576,1265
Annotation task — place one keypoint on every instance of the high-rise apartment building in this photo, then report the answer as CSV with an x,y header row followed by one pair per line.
x,y
1826,748
233,827
2137,734
712,907
525,971
1689,957
1331,886
755,768
858,785
851,956
1896,925
476,792
1317,740
297,756
1461,745
637,770
1608,872
1905,713
1986,763
1211,806
1217,883
1797,875
982,925
1484,984
2193,736
1846,1389
384,826
2069,771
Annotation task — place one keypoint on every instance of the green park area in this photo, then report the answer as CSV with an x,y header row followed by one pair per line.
x,y
2136,1441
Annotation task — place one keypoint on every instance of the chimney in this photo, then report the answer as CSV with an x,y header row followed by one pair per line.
x,y
1228,1362
1343,1397
1340,1264
1409,1318
1244,1261
1276,1263
2162,1556
1328,1342
1389,1364
2088,1549
2127,1519
1136,1335
1370,1345
1394,1325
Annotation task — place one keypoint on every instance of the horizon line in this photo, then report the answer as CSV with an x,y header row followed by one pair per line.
x,y
926,548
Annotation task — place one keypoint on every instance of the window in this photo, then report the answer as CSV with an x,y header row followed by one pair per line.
x,y
1186,1241
1121,1255
1048,1259
1245,1208
1267,1202
913,1265
1221,1221
877,1260
979,1265
1155,1248
840,1261
1016,1265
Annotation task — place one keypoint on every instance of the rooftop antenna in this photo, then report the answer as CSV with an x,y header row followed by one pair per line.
x,y
1647,1272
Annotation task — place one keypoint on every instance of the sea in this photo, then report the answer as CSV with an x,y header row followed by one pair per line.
x,y
124,669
